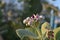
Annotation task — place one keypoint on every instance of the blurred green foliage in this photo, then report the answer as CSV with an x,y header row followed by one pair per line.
x,y
0,16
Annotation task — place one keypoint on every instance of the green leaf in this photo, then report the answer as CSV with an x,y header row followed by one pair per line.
x,y
44,27
57,33
22,33
32,30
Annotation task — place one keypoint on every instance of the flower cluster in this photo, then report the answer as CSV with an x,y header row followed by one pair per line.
x,y
30,20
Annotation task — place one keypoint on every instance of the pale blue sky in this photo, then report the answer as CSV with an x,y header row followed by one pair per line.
x,y
55,3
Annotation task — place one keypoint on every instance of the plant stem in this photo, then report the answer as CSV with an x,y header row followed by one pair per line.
x,y
39,34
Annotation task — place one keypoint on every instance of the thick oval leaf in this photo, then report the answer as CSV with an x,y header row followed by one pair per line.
x,y
32,30
57,33
22,33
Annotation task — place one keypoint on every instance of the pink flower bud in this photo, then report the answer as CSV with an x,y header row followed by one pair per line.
x,y
41,16
24,21
30,22
27,18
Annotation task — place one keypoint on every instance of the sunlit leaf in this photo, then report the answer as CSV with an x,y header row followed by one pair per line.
x,y
57,33
44,27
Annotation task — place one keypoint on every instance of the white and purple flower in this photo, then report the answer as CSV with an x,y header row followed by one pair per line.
x,y
31,20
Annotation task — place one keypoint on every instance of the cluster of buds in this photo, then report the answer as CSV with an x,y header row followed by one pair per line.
x,y
50,34
30,20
